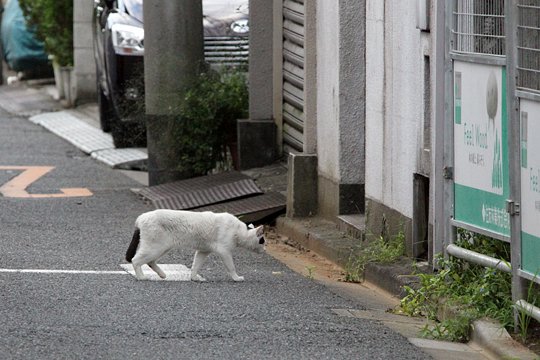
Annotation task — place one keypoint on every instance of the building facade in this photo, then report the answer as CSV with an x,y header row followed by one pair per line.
x,y
354,101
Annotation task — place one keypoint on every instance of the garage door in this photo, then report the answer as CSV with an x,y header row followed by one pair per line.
x,y
293,75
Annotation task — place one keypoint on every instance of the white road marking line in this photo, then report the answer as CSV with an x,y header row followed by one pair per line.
x,y
54,271
174,272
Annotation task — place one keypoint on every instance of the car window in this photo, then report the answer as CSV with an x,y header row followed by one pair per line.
x,y
135,8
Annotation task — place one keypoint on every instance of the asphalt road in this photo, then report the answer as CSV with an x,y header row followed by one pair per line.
x,y
274,314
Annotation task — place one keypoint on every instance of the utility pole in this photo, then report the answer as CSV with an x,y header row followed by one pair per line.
x,y
174,54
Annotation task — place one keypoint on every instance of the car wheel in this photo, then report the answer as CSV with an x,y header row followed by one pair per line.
x,y
106,112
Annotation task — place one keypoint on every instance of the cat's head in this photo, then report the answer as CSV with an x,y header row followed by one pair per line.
x,y
256,241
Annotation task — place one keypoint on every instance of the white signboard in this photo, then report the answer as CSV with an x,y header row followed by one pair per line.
x,y
530,186
480,146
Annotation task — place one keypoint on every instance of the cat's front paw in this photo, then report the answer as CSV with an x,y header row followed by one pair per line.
x,y
198,278
238,278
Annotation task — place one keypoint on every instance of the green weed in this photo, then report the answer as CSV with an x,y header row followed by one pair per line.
x,y
524,317
310,272
382,250
473,290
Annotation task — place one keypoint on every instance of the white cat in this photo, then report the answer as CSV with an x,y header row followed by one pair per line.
x,y
159,231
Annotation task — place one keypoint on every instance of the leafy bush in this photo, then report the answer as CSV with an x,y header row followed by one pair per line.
x,y
207,122
53,23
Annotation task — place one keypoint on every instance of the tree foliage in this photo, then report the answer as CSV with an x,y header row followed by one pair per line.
x,y
53,24
207,121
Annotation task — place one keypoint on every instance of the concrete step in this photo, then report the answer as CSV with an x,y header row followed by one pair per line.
x,y
321,236
353,225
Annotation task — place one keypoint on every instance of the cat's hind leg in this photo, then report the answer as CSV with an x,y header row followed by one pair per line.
x,y
226,256
138,271
198,261
157,269
148,256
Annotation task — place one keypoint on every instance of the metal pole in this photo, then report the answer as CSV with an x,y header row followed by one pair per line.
x,y
529,309
438,93
518,286
477,258
448,161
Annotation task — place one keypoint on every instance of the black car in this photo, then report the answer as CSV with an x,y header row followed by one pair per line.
x,y
119,55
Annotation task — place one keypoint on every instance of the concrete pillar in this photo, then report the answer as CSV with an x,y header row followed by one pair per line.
x,y
260,59
174,53
83,51
352,84
340,86
257,135
302,185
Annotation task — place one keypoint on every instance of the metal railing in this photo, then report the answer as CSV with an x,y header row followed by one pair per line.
x,y
478,27
528,45
506,34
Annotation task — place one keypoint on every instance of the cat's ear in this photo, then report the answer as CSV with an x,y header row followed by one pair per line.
x,y
251,226
260,230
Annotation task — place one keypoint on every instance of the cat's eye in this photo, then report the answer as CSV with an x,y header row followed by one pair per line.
x,y
261,241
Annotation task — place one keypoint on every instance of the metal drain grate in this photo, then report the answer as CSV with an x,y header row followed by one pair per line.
x,y
201,191
253,208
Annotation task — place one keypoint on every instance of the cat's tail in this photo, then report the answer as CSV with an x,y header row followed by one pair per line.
x,y
132,249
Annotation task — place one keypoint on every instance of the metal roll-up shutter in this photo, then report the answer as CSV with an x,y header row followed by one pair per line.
x,y
293,75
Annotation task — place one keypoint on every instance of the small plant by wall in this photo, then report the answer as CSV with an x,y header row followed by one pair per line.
x,y
383,250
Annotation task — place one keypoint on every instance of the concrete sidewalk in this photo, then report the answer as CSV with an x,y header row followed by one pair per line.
x,y
80,126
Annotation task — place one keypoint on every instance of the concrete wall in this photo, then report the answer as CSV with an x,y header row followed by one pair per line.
x,y
340,106
257,135
394,94
260,59
352,92
328,89
398,104
84,65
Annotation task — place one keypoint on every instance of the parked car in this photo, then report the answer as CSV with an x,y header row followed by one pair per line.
x,y
119,55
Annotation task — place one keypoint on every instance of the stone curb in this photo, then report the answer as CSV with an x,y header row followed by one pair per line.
x,y
493,337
